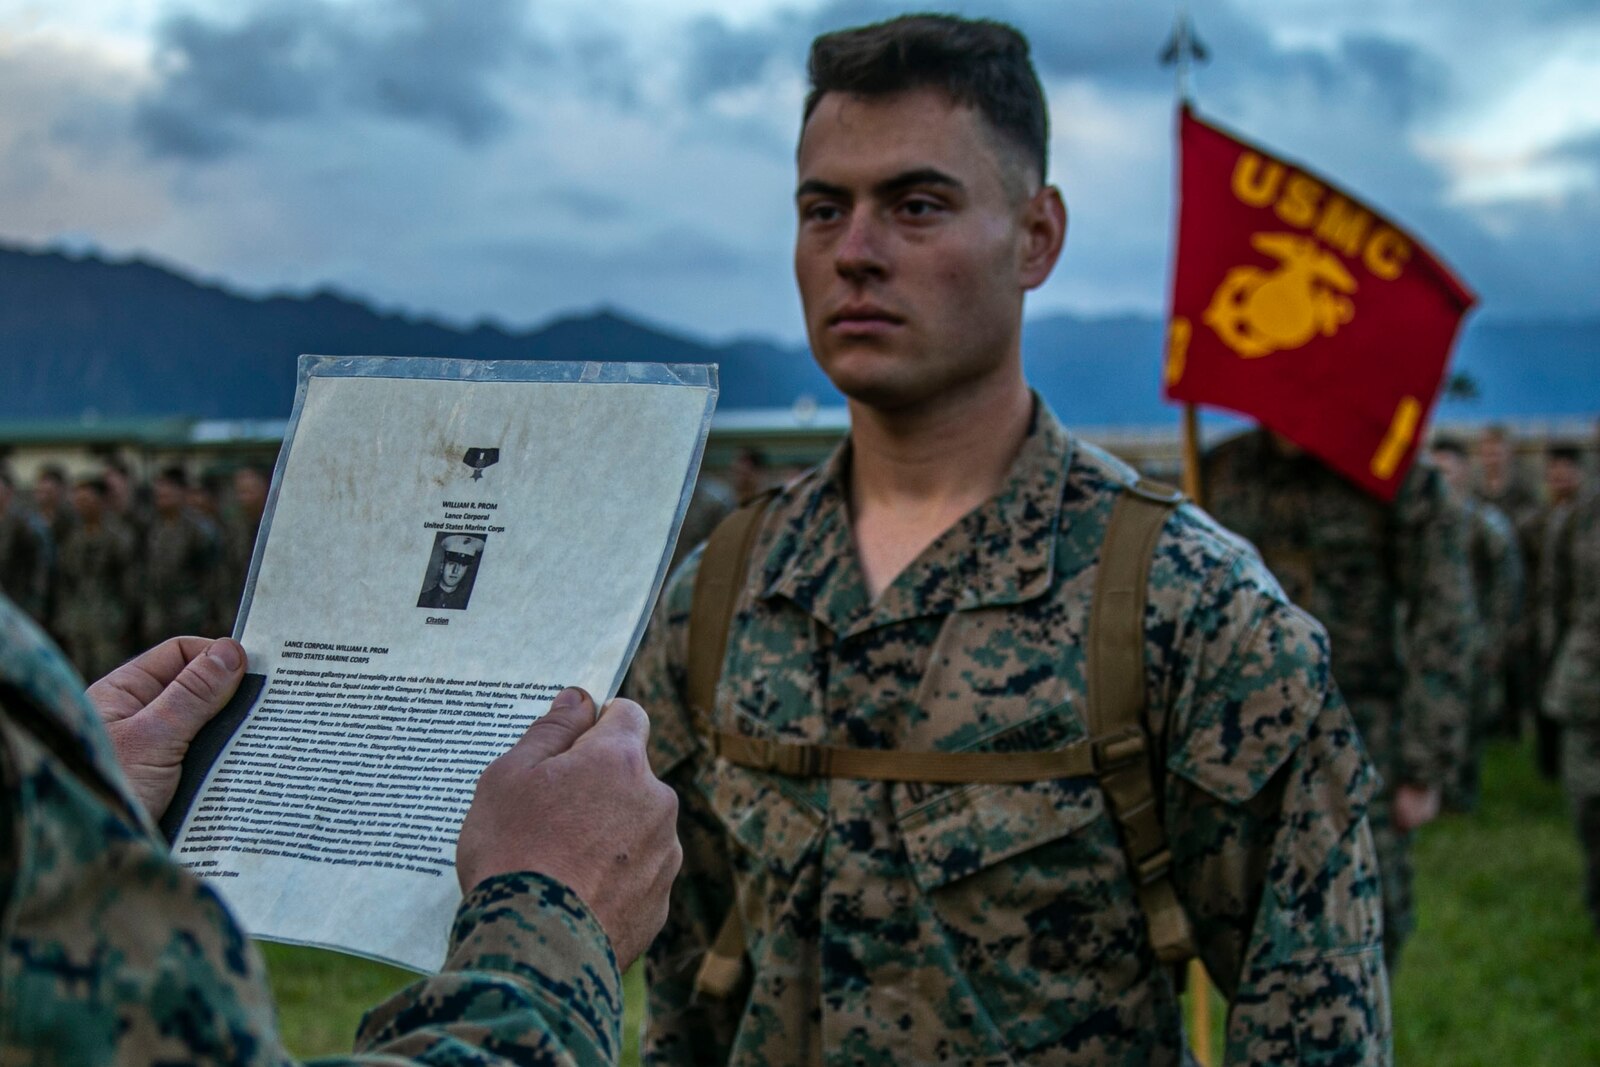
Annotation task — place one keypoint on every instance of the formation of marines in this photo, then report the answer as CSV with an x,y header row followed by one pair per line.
x,y
975,734
107,567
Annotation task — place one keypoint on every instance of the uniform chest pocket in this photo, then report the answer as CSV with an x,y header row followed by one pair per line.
x,y
774,826
1029,887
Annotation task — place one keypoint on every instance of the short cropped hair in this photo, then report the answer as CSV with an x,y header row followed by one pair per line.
x,y
979,63
1567,453
1451,445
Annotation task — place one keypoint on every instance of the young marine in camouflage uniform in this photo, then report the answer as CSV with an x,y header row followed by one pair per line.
x,y
54,512
25,552
1392,585
239,530
1552,533
927,590
1572,697
96,582
115,954
1499,486
181,557
1495,557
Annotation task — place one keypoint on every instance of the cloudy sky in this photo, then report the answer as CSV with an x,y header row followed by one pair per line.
x,y
516,159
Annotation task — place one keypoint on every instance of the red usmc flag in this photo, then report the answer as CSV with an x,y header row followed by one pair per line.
x,y
1296,304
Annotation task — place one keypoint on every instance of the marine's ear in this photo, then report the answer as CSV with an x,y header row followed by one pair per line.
x,y
1044,232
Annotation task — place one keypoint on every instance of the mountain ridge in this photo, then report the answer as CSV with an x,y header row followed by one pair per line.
x,y
83,334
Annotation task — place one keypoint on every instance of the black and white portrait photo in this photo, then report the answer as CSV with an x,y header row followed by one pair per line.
x,y
452,569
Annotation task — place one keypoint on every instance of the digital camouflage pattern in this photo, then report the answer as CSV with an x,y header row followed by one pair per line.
x,y
178,592
1495,557
1392,585
114,953
1555,530
97,581
997,924
1572,697
1520,506
24,559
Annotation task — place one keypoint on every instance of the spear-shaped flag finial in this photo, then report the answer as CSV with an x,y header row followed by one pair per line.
x,y
1183,48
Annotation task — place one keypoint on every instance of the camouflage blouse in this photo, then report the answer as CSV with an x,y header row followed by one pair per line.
x,y
893,923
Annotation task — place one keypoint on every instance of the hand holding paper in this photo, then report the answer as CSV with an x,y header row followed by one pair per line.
x,y
154,704
607,828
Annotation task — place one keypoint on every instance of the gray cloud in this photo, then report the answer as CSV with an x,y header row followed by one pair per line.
x,y
724,57
587,204
1583,150
1408,79
1111,42
1103,39
429,61
605,68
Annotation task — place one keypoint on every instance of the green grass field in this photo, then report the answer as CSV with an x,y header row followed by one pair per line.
x,y
1504,967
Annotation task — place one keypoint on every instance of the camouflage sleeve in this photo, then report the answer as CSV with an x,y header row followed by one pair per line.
x,y
1503,603
1572,695
1273,857
681,1027
530,979
1440,635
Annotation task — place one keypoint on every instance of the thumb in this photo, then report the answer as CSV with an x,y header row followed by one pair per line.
x,y
194,697
571,715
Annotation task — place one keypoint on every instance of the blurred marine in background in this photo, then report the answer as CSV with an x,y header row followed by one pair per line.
x,y
1571,699
1392,584
1495,556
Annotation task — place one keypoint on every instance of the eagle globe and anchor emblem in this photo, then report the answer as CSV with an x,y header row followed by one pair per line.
x,y
1257,312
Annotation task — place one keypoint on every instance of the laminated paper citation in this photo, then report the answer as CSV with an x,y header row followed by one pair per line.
x,y
447,544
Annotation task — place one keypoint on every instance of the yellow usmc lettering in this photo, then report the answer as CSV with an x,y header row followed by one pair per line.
x,y
1306,204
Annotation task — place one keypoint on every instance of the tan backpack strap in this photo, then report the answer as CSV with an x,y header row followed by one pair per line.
x,y
722,969
896,765
1116,675
717,583
723,564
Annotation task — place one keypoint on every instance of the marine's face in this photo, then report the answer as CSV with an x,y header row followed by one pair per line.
x,y
47,493
455,569
87,502
1561,478
168,496
1453,467
250,491
460,556
118,491
1494,455
917,238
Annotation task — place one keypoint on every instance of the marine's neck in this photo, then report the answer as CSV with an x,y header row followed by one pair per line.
x,y
915,473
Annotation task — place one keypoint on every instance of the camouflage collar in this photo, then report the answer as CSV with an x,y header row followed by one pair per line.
x,y
1002,552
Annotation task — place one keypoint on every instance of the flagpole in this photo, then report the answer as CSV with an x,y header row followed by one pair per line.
x,y
1183,47
1193,487
1199,982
